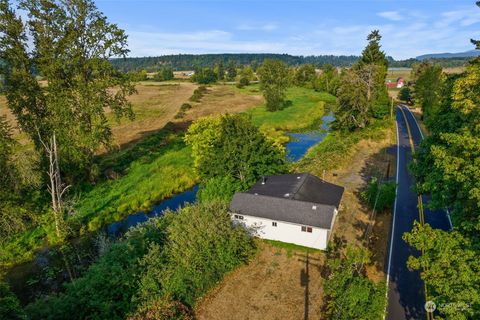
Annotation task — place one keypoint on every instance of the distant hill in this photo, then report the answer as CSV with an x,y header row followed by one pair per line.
x,y
192,61
466,54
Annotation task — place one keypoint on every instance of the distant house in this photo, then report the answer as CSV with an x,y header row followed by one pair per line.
x,y
293,208
400,83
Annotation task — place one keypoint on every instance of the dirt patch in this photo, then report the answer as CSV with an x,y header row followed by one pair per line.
x,y
274,285
371,159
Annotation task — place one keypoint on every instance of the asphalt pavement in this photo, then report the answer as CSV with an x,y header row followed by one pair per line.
x,y
406,292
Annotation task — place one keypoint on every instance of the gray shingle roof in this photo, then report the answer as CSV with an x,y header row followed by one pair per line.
x,y
296,198
299,212
300,186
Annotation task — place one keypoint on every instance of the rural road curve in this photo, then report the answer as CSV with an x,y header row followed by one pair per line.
x,y
406,294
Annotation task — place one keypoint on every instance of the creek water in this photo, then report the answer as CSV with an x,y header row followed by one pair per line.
x,y
47,271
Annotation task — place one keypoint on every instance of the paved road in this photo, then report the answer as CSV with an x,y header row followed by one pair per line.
x,y
406,294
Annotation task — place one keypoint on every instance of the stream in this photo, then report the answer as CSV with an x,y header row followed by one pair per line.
x,y
46,273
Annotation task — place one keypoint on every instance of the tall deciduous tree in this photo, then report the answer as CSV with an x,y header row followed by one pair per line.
x,y
353,108
449,268
274,81
72,45
428,80
349,293
231,146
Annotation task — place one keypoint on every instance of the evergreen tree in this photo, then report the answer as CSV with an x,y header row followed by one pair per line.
x,y
220,71
372,54
231,71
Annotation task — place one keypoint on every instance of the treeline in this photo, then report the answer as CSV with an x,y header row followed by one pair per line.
x,y
448,168
192,61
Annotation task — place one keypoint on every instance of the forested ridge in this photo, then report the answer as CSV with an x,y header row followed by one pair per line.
x,y
193,61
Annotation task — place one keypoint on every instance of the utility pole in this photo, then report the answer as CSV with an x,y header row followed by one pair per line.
x,y
391,110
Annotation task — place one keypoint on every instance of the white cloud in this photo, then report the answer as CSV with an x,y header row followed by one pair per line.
x,y
258,27
417,33
212,41
391,15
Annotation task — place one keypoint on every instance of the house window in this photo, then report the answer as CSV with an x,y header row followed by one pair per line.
x,y
307,229
238,217
274,223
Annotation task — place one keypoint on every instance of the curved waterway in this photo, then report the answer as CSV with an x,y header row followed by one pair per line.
x,y
33,279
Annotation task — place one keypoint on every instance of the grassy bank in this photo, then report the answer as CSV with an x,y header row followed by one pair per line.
x,y
339,146
304,109
156,168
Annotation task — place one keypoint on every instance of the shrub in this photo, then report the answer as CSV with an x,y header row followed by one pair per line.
x,y
180,114
379,196
202,246
9,305
185,107
198,93
218,189
242,82
163,309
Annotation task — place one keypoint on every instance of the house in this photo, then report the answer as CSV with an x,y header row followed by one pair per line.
x,y
400,83
293,208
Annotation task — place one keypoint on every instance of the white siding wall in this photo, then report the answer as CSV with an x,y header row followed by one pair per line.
x,y
286,232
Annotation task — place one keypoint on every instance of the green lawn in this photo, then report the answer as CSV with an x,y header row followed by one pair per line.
x,y
307,107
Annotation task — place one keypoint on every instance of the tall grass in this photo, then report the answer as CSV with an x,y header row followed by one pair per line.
x,y
162,168
339,146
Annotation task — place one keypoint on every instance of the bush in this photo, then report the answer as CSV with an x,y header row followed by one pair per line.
x,y
242,82
163,309
9,305
180,114
185,107
107,288
198,93
202,246
218,189
379,196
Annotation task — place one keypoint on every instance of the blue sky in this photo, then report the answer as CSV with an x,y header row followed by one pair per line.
x,y
409,27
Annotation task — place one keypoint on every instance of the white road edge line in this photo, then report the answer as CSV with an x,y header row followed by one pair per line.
x,y
421,134
393,222
416,122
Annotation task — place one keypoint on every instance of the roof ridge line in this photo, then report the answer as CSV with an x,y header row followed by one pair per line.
x,y
287,199
305,174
